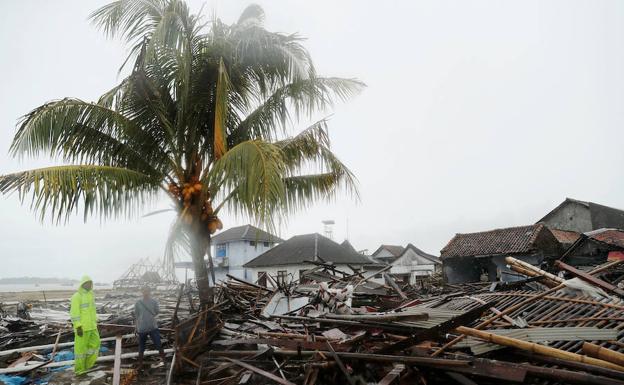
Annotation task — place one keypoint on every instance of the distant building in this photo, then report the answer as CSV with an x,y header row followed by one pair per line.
x,y
468,257
409,264
233,248
582,216
387,253
289,260
236,246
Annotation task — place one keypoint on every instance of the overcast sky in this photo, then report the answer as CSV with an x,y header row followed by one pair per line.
x,y
477,115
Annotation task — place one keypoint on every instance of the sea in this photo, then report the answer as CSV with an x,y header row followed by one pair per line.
x,y
4,288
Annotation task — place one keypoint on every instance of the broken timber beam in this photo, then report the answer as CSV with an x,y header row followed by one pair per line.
x,y
590,278
390,281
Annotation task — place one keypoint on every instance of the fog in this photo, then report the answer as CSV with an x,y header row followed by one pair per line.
x,y
477,115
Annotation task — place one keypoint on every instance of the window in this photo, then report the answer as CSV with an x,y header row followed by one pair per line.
x,y
281,277
252,243
221,250
262,278
267,244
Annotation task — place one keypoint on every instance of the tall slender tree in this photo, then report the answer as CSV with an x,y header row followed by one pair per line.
x,y
205,116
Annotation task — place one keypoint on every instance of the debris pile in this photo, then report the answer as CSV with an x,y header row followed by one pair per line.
x,y
535,330
556,327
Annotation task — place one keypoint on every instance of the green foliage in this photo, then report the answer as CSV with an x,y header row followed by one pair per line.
x,y
204,100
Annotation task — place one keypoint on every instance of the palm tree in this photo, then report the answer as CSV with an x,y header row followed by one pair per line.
x,y
204,116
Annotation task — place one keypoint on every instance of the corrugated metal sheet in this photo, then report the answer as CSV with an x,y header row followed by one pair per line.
x,y
541,335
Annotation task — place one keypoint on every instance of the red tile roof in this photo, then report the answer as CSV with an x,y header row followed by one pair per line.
x,y
500,241
564,236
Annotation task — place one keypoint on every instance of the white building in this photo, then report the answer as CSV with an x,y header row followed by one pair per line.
x,y
287,261
408,263
236,246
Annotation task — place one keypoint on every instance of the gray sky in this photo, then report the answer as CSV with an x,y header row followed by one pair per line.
x,y
477,115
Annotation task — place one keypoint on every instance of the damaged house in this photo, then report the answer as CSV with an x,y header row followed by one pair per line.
x,y
409,264
582,216
290,260
596,247
469,257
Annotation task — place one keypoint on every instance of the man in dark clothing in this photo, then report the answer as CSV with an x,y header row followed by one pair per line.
x,y
145,311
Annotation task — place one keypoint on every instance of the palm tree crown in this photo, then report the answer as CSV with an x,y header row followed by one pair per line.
x,y
203,116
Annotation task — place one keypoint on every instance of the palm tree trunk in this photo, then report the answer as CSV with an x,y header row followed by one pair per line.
x,y
200,242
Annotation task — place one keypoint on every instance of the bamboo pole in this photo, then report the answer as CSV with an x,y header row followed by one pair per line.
x,y
525,268
537,348
603,353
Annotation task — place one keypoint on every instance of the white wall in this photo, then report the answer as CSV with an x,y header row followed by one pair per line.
x,y
292,271
413,264
239,253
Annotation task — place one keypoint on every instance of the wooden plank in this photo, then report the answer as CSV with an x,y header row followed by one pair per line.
x,y
117,364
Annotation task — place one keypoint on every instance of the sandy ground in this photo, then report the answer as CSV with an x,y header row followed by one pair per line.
x,y
51,295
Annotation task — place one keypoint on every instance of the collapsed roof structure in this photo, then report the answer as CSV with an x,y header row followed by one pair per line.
x,y
146,273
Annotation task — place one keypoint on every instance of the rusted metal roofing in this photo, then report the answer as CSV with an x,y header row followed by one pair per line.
x,y
612,237
511,240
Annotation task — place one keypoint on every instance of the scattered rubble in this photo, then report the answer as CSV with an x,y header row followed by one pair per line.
x,y
551,327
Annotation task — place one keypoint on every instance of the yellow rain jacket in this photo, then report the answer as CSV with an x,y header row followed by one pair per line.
x,y
82,311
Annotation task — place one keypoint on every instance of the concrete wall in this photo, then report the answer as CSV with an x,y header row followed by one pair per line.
x,y
470,269
571,216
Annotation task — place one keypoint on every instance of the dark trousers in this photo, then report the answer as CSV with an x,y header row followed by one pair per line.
x,y
154,336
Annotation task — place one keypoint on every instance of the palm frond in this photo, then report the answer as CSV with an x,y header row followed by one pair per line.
x,y
59,191
88,132
255,171
305,97
301,190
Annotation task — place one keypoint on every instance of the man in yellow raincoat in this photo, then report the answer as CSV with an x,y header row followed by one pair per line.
x,y
84,319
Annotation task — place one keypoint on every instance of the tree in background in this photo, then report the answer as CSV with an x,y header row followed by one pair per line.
x,y
205,116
